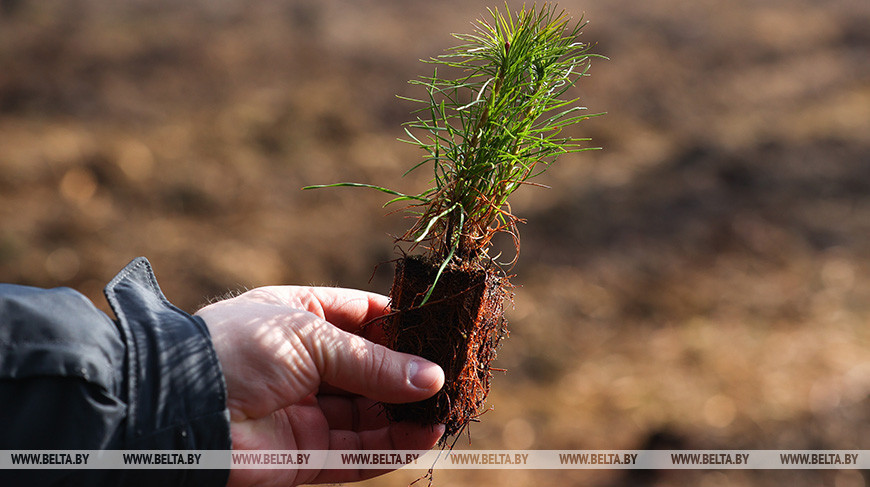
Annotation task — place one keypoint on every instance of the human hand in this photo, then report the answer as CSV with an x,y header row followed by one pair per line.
x,y
298,378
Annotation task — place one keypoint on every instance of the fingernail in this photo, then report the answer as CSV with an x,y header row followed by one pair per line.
x,y
425,374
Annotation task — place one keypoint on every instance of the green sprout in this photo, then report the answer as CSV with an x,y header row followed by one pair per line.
x,y
492,128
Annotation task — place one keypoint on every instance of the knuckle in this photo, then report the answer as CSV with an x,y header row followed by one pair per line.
x,y
380,366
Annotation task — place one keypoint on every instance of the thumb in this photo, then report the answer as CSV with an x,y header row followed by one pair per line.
x,y
357,365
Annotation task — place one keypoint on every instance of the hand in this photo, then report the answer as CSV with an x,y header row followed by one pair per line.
x,y
298,378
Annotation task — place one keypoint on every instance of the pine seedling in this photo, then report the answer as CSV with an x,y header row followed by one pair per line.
x,y
492,128
493,117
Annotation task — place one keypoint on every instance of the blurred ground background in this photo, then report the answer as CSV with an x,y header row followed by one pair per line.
x,y
701,282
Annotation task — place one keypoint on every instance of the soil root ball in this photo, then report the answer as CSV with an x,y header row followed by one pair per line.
x,y
459,328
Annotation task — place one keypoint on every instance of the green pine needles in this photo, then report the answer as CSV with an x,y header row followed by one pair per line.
x,y
492,128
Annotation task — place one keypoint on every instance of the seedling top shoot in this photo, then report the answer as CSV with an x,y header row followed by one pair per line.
x,y
491,128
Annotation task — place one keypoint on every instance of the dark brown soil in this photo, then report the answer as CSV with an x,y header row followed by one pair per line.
x,y
459,328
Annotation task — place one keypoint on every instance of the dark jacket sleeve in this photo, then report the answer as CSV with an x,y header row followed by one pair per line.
x,y
73,379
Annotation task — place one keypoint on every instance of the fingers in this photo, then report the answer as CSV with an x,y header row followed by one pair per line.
x,y
397,436
357,365
273,355
347,309
352,413
351,310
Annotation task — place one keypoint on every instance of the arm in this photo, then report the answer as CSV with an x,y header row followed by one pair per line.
x,y
301,373
71,378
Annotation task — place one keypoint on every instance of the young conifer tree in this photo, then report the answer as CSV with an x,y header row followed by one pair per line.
x,y
492,127
493,117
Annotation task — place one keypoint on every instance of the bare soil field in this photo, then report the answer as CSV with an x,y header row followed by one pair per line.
x,y
703,281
